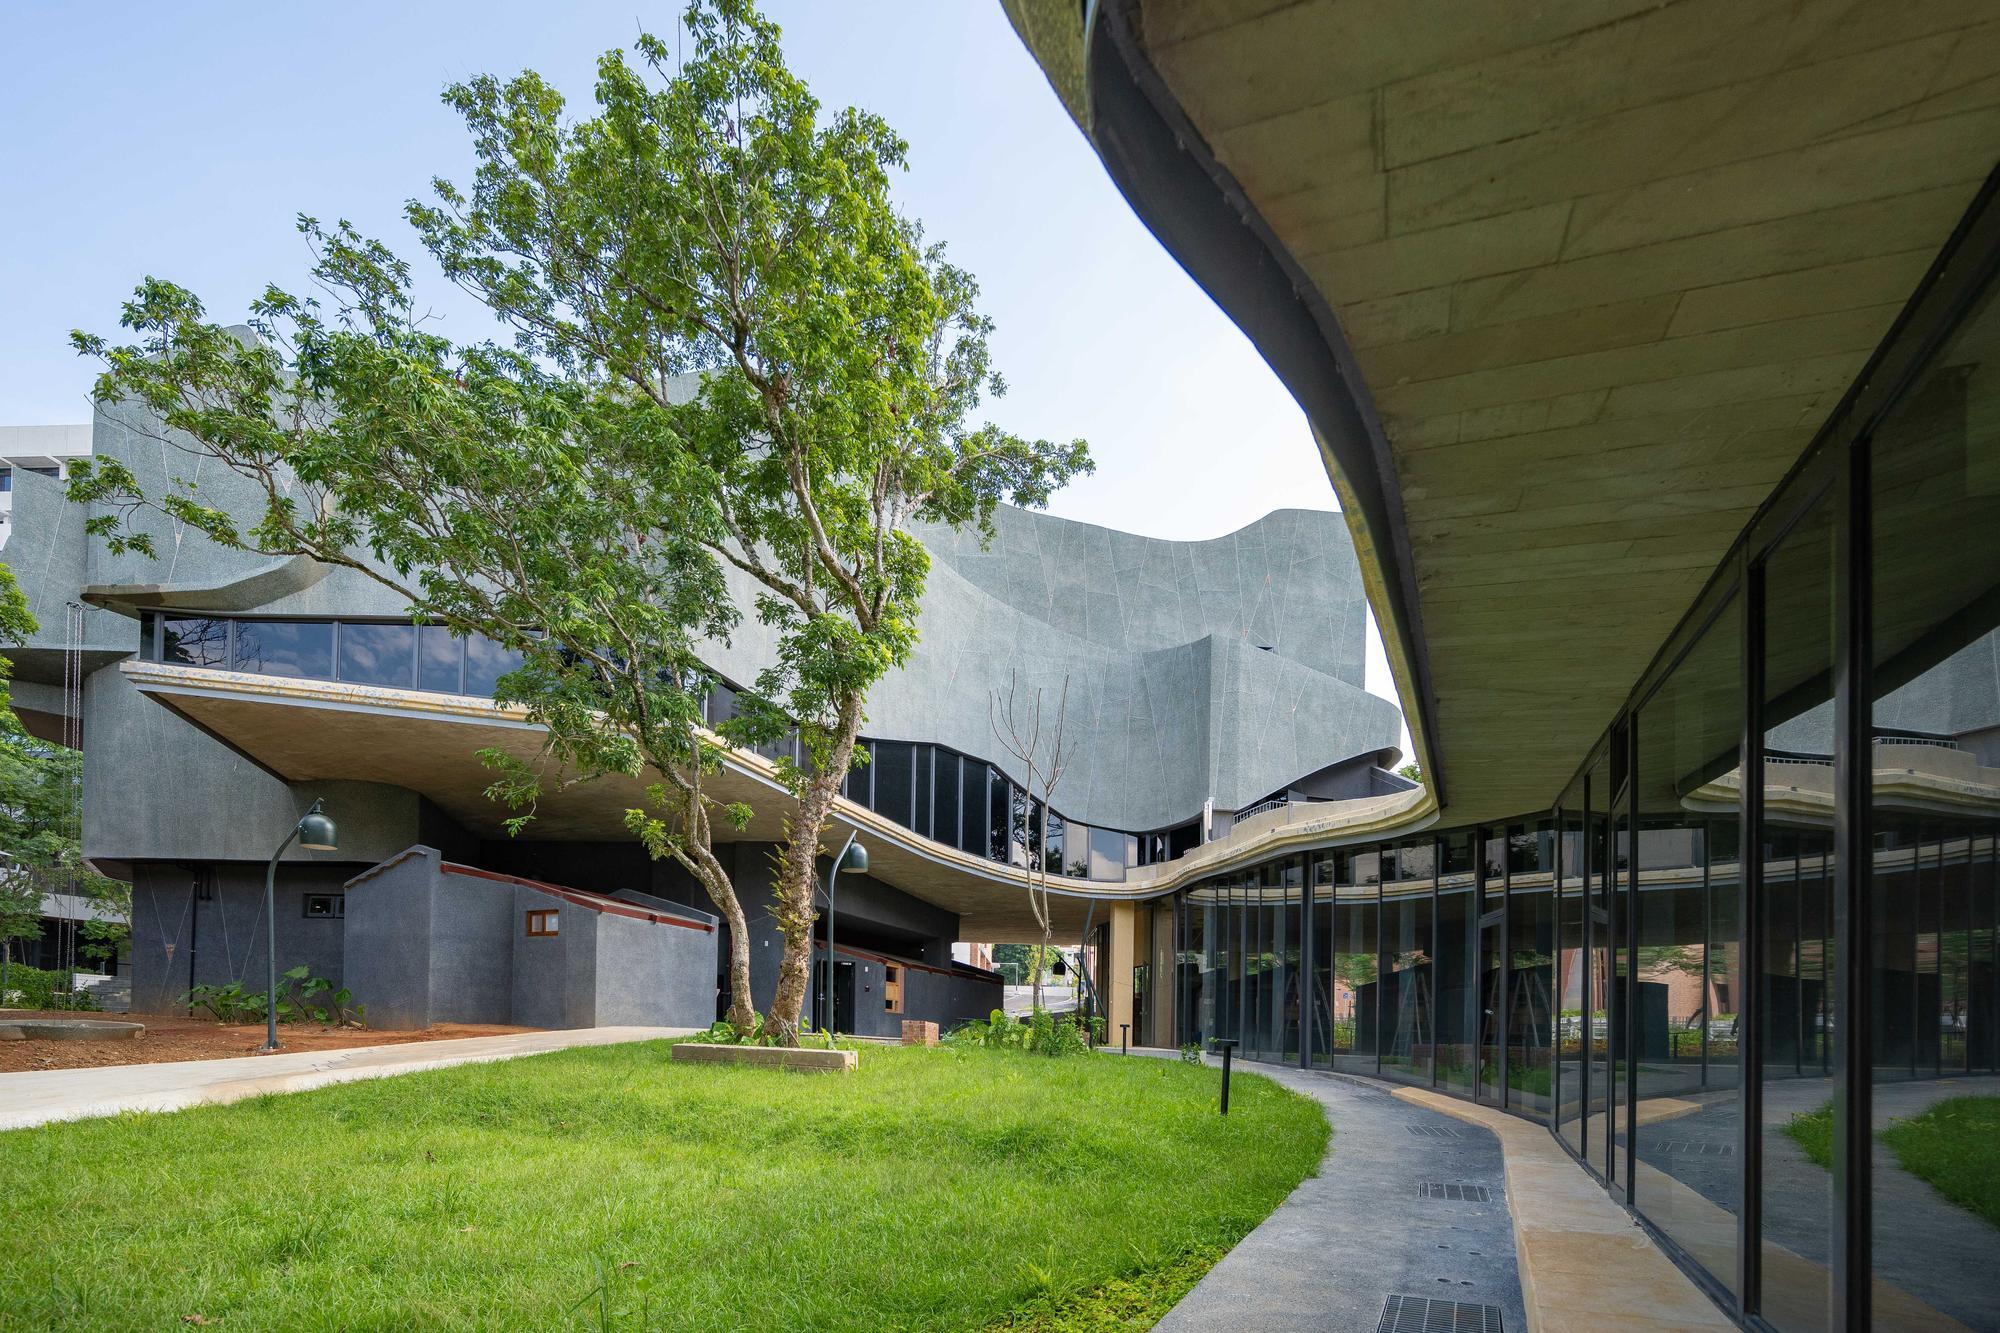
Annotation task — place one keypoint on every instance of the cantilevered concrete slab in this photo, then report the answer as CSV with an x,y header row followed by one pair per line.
x,y
1565,289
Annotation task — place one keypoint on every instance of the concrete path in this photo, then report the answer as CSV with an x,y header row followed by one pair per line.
x,y
1366,1229
76,1094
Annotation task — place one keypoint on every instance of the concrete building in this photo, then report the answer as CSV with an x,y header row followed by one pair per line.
x,y
220,694
1650,348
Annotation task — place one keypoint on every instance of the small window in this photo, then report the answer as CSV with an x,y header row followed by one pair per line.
x,y
326,906
892,988
543,923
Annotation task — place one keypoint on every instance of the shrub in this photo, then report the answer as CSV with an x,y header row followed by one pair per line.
x,y
302,997
1191,1054
40,988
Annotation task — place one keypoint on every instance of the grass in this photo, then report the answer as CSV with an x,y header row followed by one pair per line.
x,y
1813,1132
607,1188
1954,1147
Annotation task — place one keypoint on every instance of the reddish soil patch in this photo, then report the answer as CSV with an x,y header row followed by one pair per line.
x,y
176,1037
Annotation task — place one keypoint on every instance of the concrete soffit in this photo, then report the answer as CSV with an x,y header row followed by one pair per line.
x,y
1203,217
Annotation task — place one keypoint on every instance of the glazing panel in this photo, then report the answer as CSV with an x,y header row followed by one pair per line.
x,y
1530,1001
377,654
1687,1173
300,649
486,661
1799,659
440,660
1410,1019
1457,969
1934,809
201,641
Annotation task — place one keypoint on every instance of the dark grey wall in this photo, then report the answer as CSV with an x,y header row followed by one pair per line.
x,y
389,936
204,923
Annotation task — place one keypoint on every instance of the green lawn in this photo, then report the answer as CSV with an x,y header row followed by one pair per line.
x,y
609,1188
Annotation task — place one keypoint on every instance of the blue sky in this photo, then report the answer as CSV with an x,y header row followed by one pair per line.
x,y
181,141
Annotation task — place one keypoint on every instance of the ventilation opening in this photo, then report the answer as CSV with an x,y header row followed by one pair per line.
x,y
1433,1132
1421,1314
1432,1189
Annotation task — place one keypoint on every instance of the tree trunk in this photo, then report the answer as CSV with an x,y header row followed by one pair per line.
x,y
798,871
722,893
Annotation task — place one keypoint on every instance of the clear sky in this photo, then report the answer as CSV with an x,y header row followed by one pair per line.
x,y
181,141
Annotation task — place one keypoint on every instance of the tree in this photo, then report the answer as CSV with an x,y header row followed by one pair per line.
x,y
562,495
1017,725
40,851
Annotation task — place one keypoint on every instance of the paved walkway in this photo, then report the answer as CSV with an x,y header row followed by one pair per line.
x,y
76,1094
1366,1229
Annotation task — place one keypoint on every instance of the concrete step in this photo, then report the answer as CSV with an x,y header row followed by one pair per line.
x,y
113,994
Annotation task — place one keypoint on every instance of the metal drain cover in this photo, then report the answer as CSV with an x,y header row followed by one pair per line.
x,y
1433,1132
1432,1189
1421,1314
1688,1148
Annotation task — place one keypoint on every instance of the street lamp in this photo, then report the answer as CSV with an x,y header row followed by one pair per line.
x,y
315,832
853,860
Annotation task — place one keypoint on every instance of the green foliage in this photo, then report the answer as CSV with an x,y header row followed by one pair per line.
x,y
1813,1132
1413,771
40,785
550,1190
302,998
997,1033
227,1003
38,988
1191,1053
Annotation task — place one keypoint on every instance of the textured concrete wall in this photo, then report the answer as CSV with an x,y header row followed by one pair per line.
x,y
654,974
388,927
205,924
1227,668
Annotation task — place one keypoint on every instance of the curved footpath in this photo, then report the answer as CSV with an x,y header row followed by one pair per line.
x,y
1423,1199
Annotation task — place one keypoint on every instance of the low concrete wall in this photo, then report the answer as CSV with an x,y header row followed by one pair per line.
x,y
767,1057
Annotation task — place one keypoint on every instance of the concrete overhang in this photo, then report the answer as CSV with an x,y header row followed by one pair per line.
x,y
307,730
1564,291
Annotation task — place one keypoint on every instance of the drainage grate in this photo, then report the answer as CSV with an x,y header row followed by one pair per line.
x,y
1433,1132
1421,1314
1432,1189
1689,1148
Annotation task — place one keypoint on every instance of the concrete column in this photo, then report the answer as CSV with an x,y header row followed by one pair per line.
x,y
1118,969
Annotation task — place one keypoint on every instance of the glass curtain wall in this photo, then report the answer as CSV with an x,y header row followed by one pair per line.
x,y
1932,784
1748,969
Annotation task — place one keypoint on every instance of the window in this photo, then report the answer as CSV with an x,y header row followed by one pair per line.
x,y
378,654
325,906
485,662
892,988
299,649
895,763
543,922
440,660
194,641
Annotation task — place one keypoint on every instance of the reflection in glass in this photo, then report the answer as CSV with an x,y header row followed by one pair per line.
x,y
1934,812
1570,970
194,641
440,660
372,654
1791,904
486,661
1530,1002
1410,1017
1457,968
1689,783
299,649
944,798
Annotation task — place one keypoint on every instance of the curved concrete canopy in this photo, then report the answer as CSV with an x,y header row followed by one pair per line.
x,y
1565,291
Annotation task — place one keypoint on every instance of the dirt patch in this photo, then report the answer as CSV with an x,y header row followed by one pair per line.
x,y
170,1037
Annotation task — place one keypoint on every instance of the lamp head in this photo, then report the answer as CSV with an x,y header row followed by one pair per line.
x,y
317,832
856,860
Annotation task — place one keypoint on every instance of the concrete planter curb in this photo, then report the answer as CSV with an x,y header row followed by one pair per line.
x,y
69,1029
767,1057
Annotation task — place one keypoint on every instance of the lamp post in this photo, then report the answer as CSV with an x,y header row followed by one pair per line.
x,y
315,832
853,860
